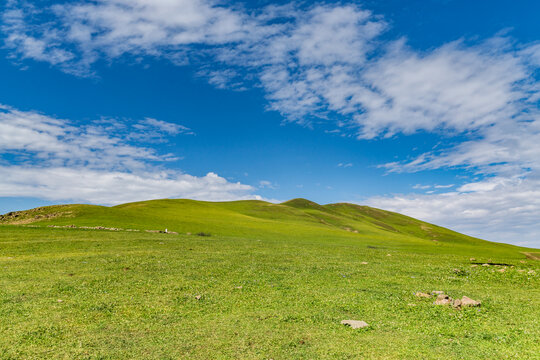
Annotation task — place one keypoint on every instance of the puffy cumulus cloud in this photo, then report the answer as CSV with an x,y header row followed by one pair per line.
x,y
115,187
497,210
100,163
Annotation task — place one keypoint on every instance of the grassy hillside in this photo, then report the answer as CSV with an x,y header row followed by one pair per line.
x,y
271,281
299,218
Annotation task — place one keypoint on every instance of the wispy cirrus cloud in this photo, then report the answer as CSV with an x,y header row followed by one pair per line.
x,y
104,162
105,143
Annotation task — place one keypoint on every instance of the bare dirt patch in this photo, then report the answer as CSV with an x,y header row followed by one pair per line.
x,y
532,255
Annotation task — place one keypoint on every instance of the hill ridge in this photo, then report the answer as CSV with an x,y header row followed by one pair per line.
x,y
247,217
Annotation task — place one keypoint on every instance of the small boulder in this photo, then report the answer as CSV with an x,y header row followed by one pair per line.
x,y
472,259
364,263
437,292
501,270
457,304
421,294
466,301
198,297
485,264
443,300
474,265
355,324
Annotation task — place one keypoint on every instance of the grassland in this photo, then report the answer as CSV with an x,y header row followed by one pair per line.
x,y
271,282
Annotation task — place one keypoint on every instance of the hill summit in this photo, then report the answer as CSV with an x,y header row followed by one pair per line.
x,y
298,217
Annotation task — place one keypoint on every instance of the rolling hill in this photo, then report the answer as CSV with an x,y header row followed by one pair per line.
x,y
256,280
300,218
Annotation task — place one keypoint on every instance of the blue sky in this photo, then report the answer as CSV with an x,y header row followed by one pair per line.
x,y
428,108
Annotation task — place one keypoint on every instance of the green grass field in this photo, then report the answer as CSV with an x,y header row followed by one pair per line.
x,y
270,282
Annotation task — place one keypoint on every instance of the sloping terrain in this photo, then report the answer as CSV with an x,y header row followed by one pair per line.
x,y
299,217
254,280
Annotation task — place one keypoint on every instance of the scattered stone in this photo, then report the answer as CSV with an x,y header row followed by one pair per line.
x,y
485,264
522,261
388,254
355,324
421,294
501,270
364,263
532,272
238,287
472,259
443,300
198,297
60,300
467,301
437,292
474,265
457,304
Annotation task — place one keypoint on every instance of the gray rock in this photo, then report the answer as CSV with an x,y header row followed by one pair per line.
x,y
355,324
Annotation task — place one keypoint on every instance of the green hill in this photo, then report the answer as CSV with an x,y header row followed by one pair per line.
x,y
300,218
256,280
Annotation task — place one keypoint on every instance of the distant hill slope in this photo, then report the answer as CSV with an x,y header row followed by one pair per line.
x,y
300,218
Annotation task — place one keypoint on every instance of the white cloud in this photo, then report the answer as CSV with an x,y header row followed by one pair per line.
x,y
74,35
345,165
58,160
443,186
267,184
321,62
46,140
169,128
505,211
115,187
